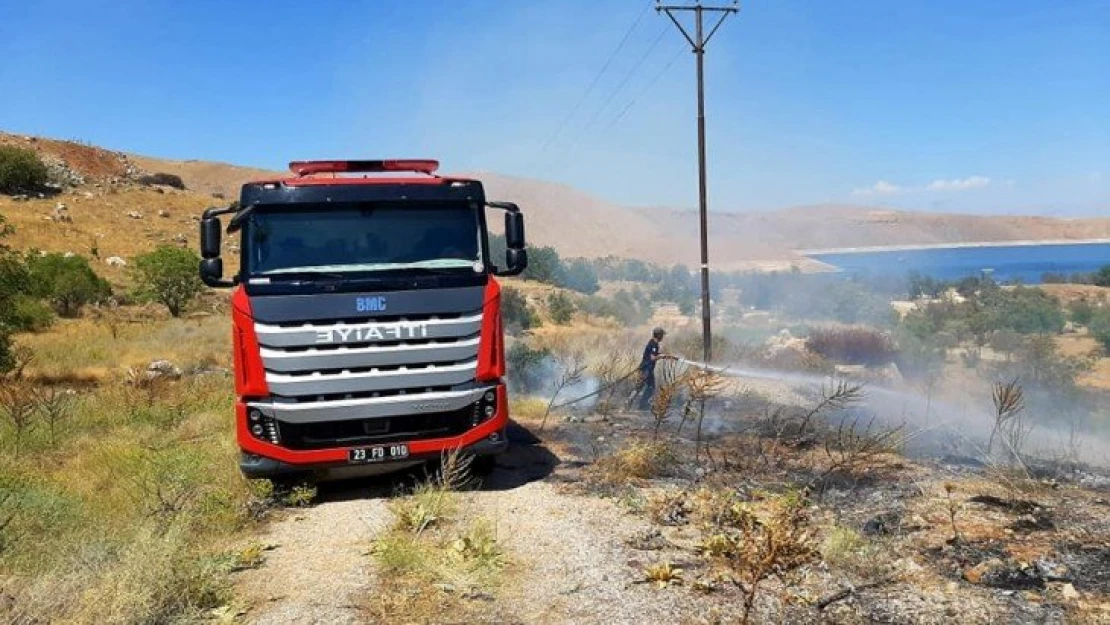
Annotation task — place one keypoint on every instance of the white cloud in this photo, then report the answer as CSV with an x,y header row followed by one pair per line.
x,y
881,187
959,184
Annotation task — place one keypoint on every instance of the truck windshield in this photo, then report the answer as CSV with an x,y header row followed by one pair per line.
x,y
362,237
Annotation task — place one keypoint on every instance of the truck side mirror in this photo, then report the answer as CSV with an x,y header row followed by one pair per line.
x,y
514,231
212,273
210,237
211,265
517,261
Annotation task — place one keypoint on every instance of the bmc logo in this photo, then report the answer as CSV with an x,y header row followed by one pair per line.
x,y
370,304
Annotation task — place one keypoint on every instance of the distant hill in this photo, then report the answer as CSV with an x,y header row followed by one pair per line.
x,y
105,189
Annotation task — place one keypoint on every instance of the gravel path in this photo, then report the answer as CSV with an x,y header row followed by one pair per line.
x,y
319,563
570,561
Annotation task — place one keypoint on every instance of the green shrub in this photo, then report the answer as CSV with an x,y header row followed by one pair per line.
x,y
545,266
7,356
28,314
560,307
167,180
1102,276
20,170
581,276
168,275
1024,310
920,358
527,367
516,313
68,283
1039,365
1100,327
1081,312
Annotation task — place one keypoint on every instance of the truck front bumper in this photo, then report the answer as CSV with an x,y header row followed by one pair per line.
x,y
254,466
261,459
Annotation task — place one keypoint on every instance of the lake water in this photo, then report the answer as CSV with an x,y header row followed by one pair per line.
x,y
1007,263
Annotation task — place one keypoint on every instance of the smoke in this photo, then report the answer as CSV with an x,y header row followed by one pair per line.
x,y
935,424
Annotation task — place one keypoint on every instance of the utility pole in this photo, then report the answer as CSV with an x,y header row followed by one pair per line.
x,y
698,42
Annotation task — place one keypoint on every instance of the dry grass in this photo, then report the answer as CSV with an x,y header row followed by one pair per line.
x,y
846,549
120,505
528,410
91,350
633,464
102,222
435,559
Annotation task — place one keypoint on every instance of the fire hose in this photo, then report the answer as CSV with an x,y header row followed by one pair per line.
x,y
599,391
621,379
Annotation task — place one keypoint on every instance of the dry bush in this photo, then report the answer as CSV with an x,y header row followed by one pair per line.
x,y
612,372
855,449
757,545
663,574
17,401
838,395
670,507
953,507
124,518
1009,420
55,405
433,500
572,368
852,345
637,462
22,357
702,385
669,383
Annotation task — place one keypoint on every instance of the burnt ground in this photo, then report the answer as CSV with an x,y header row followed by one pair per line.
x,y
931,540
890,540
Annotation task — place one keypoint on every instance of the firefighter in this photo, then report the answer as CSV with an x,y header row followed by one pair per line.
x,y
646,386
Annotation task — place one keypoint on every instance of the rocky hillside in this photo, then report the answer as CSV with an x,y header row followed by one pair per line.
x,y
106,204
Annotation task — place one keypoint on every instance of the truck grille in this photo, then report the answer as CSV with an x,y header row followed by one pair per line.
x,y
319,361
395,429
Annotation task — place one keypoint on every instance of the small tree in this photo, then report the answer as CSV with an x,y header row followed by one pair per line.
x,y
20,170
545,266
561,308
7,352
168,275
1102,276
1081,312
581,276
69,283
516,312
1099,326
526,367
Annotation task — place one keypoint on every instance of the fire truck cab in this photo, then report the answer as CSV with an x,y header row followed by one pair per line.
x,y
366,317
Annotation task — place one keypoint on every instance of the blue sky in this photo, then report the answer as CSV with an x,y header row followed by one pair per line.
x,y
986,106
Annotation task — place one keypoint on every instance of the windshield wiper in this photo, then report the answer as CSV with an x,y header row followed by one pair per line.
x,y
438,271
310,276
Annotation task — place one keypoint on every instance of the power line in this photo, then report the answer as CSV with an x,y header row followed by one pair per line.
x,y
593,83
647,87
627,77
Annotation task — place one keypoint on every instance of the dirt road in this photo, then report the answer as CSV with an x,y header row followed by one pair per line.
x,y
569,559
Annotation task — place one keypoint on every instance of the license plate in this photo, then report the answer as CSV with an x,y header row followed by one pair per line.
x,y
378,453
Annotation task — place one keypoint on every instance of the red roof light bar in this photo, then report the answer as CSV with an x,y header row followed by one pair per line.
x,y
308,168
